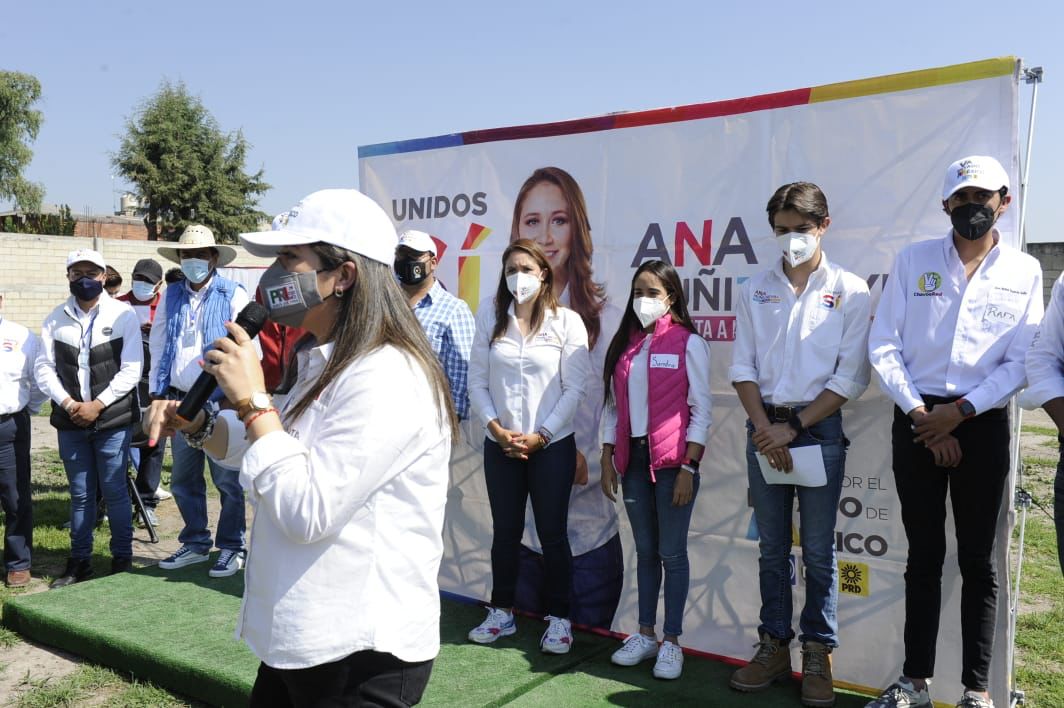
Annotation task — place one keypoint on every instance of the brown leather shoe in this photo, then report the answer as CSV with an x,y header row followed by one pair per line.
x,y
772,662
18,578
816,675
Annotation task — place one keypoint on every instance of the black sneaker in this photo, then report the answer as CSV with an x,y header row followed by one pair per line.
x,y
76,571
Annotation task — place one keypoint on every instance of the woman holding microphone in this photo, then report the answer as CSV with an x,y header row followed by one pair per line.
x,y
654,431
527,374
349,478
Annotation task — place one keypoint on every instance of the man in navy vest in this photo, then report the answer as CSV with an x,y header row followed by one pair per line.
x,y
89,365
191,316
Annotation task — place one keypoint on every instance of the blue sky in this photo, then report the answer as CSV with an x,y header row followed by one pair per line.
x,y
309,82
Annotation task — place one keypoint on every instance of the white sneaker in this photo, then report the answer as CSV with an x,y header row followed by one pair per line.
x,y
902,694
498,623
162,495
670,662
974,700
558,639
636,648
228,563
184,556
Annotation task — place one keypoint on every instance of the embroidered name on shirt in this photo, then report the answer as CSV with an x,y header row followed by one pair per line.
x,y
995,313
664,361
763,298
545,338
928,284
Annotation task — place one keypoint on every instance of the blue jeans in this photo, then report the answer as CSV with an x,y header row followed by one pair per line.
x,y
660,532
817,508
189,488
97,458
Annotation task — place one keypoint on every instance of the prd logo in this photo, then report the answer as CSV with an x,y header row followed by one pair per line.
x,y
929,282
853,578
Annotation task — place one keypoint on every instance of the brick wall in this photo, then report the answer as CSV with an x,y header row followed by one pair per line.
x,y
1051,256
33,269
111,227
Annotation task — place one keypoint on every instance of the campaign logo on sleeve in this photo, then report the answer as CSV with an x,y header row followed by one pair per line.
x,y
763,298
831,301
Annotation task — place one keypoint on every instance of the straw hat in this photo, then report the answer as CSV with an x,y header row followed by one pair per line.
x,y
197,236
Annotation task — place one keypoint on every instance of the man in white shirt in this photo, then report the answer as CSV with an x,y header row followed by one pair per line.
x,y
188,320
949,342
19,399
89,365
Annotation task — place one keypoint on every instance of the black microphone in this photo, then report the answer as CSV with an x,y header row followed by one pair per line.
x,y
251,319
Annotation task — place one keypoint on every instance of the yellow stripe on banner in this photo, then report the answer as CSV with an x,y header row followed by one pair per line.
x,y
985,69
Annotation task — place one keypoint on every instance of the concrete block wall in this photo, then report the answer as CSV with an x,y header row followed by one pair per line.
x,y
33,269
1051,256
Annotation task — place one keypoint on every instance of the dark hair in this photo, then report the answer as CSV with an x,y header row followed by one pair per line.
x,y
174,275
374,312
113,279
803,197
586,297
630,323
544,299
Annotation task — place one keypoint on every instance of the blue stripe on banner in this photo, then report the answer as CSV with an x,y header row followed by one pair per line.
x,y
440,141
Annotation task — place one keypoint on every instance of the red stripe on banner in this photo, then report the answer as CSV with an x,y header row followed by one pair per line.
x,y
541,130
797,97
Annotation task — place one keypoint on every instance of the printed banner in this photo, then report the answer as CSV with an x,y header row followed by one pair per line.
x,y
689,185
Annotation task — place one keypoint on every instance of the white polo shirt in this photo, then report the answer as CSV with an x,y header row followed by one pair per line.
x,y
19,348
938,333
794,347
1045,359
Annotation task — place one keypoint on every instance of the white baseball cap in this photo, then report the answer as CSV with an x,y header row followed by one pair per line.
x,y
88,256
974,171
345,218
417,241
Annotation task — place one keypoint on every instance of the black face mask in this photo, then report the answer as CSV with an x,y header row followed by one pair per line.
x,y
86,289
972,220
411,271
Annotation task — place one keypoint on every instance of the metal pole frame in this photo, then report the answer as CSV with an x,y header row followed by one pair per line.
x,y
1032,76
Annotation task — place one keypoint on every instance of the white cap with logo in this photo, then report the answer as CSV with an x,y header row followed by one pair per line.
x,y
417,241
345,218
974,171
86,255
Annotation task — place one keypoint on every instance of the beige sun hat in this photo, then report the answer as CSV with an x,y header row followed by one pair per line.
x,y
197,236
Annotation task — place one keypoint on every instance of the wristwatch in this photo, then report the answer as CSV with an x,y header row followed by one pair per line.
x,y
259,401
966,408
795,422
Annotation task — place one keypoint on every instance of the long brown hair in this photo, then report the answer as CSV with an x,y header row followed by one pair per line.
x,y
544,299
586,297
373,313
630,323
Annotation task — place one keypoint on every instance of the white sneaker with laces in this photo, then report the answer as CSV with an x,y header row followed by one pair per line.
x,y
974,700
228,563
902,694
670,661
182,557
498,623
558,639
636,648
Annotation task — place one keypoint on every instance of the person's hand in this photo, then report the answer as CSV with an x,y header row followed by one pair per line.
x,y
505,438
608,480
234,363
85,414
947,451
524,444
780,459
774,436
145,328
683,489
161,421
934,427
581,469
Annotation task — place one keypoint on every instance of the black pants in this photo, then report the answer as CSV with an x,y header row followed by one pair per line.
x,y
547,476
976,488
1058,507
364,679
150,471
15,490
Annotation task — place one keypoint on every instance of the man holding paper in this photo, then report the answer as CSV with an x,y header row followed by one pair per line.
x,y
799,355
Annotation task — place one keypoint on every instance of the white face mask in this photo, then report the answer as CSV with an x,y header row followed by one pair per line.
x,y
649,309
196,269
797,248
523,286
143,291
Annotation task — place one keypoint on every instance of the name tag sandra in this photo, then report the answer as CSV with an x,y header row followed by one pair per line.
x,y
664,361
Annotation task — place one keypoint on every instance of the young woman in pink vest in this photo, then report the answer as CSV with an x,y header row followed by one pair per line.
x,y
528,370
655,425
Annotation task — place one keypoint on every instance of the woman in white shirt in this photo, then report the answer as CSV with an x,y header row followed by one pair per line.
x,y
800,353
527,374
654,431
349,480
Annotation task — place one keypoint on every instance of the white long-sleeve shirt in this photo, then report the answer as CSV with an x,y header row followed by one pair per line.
x,y
348,530
795,347
699,395
529,382
938,333
1045,359
19,349
185,368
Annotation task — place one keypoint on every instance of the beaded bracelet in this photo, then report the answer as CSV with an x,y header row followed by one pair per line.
x,y
197,439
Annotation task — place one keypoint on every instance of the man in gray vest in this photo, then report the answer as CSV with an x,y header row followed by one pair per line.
x,y
89,365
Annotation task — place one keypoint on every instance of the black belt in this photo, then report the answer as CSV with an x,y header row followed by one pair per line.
x,y
4,417
781,414
641,441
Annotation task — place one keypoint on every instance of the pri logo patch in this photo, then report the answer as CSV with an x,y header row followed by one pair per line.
x,y
853,578
283,295
929,284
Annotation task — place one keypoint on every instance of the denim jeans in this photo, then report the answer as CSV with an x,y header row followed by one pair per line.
x,y
98,458
660,532
189,488
1058,506
148,461
817,510
15,499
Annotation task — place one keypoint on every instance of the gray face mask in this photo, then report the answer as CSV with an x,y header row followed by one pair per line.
x,y
288,296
